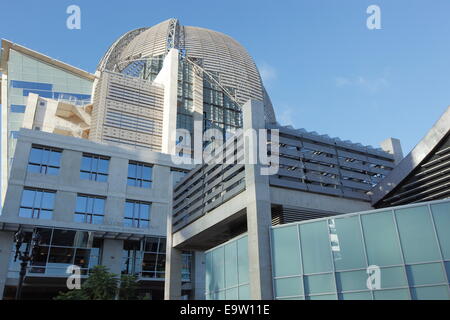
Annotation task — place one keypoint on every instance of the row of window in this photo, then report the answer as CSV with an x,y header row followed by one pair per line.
x,y
39,204
47,160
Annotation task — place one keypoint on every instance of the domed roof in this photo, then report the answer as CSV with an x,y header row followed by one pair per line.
x,y
219,54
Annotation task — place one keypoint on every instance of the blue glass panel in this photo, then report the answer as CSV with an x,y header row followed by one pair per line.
x,y
352,280
18,108
346,243
441,215
44,94
218,269
417,236
430,293
323,297
232,294
320,283
382,245
99,206
244,292
315,246
366,295
242,246
394,294
393,277
286,251
231,265
27,198
31,85
421,274
288,287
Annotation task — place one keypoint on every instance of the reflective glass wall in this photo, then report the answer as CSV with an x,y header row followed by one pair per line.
x,y
227,271
399,253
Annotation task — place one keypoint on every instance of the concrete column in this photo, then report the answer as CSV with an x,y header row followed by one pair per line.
x,y
65,203
168,77
4,132
259,218
198,275
112,255
6,241
394,147
172,284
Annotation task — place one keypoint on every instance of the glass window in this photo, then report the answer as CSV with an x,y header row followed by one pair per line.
x,y
366,295
323,297
352,280
441,216
90,209
382,245
346,243
393,277
232,294
44,160
18,108
94,167
288,287
231,265
137,214
395,294
139,174
218,269
37,203
430,293
286,251
315,246
242,247
421,274
244,292
320,283
417,236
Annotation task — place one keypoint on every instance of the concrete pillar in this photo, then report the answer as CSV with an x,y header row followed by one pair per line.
x,y
198,275
259,218
394,147
172,284
6,242
4,141
112,255
168,77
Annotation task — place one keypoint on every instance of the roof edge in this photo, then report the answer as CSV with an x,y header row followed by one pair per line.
x,y
417,155
8,45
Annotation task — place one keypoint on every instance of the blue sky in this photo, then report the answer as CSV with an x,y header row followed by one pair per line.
x,y
324,70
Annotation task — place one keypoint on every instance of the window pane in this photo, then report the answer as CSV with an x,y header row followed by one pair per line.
x,y
417,235
34,168
102,177
86,163
128,223
147,173
315,246
82,258
323,297
231,269
81,204
48,199
97,219
144,224
80,218
346,243
103,166
218,268
35,155
144,211
55,158
131,182
61,255
84,175
131,170
52,171
242,247
63,238
287,287
232,294
321,283
351,281
381,239
397,294
430,293
441,216
99,206
430,273
393,277
25,213
244,292
355,296
37,199
27,198
146,184
129,207
286,251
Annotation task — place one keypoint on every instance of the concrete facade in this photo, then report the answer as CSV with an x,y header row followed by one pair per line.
x,y
68,185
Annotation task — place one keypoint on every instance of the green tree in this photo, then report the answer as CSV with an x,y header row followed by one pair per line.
x,y
100,285
128,287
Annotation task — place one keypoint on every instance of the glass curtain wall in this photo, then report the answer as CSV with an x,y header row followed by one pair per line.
x,y
401,253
